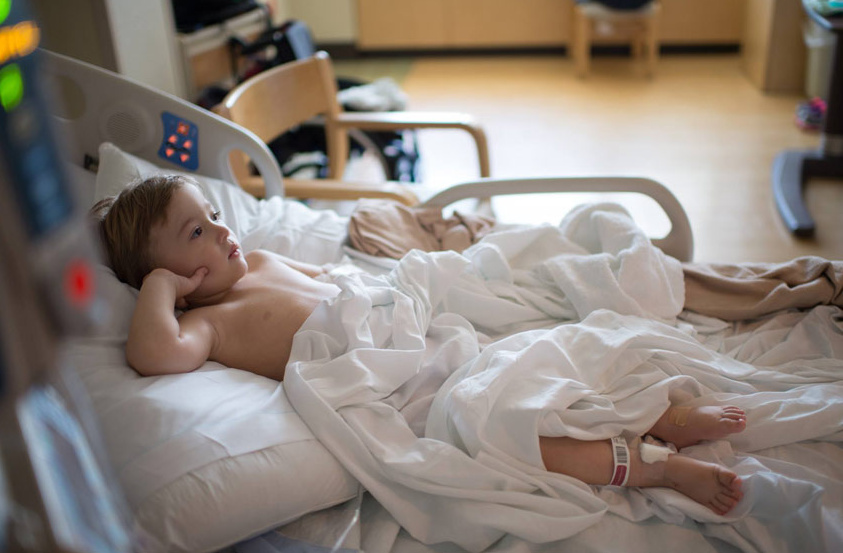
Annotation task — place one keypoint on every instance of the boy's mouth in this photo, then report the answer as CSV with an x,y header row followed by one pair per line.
x,y
235,251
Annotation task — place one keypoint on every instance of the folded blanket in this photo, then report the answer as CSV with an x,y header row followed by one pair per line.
x,y
385,228
749,290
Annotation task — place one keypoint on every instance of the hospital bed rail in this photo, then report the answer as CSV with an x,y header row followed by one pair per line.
x,y
678,242
107,107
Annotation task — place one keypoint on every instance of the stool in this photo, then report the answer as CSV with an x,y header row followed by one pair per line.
x,y
639,26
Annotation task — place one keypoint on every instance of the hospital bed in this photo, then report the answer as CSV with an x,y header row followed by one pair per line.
x,y
218,459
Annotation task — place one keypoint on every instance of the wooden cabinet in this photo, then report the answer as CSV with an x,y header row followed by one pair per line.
x,y
460,24
503,23
387,23
773,47
707,22
435,24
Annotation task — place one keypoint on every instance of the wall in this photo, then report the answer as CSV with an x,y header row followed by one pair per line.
x,y
77,28
145,43
132,37
330,21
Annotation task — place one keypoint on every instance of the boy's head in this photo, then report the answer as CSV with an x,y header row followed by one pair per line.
x,y
126,222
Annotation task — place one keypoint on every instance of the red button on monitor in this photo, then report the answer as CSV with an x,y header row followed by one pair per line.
x,y
79,282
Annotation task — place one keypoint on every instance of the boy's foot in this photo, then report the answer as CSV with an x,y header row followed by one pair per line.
x,y
686,426
708,484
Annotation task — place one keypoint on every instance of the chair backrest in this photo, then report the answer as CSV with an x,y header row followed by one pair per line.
x,y
287,95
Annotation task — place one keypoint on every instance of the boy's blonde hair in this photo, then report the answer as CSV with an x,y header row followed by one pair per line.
x,y
125,222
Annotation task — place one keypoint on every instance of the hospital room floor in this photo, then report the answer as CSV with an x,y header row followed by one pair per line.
x,y
700,127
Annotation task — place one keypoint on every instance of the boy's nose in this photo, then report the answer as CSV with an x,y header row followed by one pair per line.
x,y
223,233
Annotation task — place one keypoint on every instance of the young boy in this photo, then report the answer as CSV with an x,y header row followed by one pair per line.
x,y
163,237
242,310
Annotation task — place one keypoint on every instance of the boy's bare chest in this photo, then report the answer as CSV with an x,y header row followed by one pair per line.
x,y
255,327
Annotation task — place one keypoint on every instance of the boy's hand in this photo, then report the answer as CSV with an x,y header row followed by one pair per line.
x,y
160,342
182,286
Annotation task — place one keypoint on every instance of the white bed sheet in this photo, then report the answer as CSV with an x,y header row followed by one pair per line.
x,y
788,374
278,226
378,532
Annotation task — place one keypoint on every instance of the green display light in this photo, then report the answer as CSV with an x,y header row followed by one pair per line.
x,y
11,87
5,8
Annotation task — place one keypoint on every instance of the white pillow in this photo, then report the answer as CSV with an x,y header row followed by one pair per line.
x,y
214,456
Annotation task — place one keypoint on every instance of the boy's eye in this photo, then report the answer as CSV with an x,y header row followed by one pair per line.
x,y
196,232
216,215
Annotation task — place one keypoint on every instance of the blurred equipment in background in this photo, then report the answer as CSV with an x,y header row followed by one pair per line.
x,y
56,493
794,168
192,15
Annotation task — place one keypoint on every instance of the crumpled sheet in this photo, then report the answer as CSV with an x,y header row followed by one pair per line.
x,y
432,384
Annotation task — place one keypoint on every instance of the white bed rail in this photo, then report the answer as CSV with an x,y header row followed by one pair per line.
x,y
107,107
678,243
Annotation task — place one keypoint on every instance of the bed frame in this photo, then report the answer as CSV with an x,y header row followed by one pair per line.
x,y
101,106
800,345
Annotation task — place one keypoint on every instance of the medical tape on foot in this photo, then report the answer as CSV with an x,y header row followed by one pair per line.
x,y
652,450
679,415
620,455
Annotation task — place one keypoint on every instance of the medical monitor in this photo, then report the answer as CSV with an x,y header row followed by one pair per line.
x,y
55,490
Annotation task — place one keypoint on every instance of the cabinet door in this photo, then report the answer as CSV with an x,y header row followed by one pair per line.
x,y
504,23
774,52
384,24
709,22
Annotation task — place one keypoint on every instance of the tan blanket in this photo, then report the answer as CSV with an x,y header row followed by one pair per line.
x,y
748,290
385,228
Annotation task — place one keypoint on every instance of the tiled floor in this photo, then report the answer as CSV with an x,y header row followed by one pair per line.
x,y
699,127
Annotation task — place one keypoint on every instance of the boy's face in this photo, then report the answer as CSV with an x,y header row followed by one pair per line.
x,y
193,236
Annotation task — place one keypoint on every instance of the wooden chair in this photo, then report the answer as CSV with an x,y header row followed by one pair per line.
x,y
293,93
639,27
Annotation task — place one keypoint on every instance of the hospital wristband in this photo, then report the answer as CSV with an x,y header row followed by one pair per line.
x,y
620,456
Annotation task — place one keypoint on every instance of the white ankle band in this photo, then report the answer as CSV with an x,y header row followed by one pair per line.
x,y
620,455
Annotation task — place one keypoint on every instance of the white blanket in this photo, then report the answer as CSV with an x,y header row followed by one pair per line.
x,y
432,384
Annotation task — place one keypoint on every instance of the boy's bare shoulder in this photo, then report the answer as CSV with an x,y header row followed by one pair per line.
x,y
261,256
257,255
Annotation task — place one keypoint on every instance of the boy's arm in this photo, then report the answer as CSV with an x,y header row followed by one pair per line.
x,y
158,342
